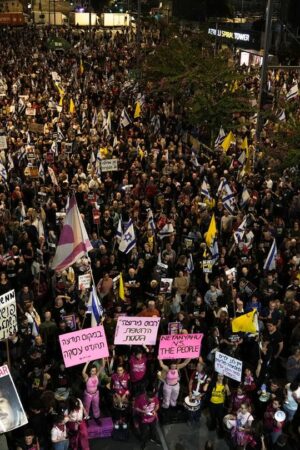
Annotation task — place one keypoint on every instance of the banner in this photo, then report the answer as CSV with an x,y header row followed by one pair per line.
x,y
136,330
84,281
8,315
174,346
109,165
12,414
228,366
83,346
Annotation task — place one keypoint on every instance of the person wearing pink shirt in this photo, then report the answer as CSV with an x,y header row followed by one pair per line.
x,y
146,406
91,393
138,370
171,384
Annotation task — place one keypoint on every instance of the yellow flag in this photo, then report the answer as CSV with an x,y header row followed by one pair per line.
x,y
60,89
211,232
244,145
234,86
121,288
140,153
137,112
72,106
228,141
246,323
81,67
61,100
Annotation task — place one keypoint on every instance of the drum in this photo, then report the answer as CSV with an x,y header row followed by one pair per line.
x,y
191,405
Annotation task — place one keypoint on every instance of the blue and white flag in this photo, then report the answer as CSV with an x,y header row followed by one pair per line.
x,y
151,223
205,188
220,138
293,92
228,197
190,264
242,159
119,231
3,173
128,240
214,250
239,233
95,307
167,230
125,119
270,263
10,163
60,135
245,197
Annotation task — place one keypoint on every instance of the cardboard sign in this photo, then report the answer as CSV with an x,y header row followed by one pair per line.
x,y
136,330
109,165
8,315
207,266
180,346
84,281
228,366
31,171
36,128
83,345
12,413
3,143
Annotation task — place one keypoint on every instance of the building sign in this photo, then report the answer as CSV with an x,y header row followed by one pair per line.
x,y
233,35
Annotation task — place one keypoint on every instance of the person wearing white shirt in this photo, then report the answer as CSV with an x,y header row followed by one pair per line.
x,y
76,425
59,434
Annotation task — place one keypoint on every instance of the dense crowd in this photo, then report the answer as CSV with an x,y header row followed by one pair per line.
x,y
69,111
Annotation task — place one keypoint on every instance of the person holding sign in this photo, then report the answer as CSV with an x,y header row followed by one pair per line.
x,y
171,384
91,393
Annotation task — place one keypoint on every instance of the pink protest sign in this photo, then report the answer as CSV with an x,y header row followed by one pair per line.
x,y
176,346
85,345
136,330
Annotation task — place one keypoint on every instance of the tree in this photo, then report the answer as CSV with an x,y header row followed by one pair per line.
x,y
201,9
205,87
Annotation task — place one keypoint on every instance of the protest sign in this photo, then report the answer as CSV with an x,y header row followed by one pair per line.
x,y
36,127
96,216
3,143
30,111
70,321
109,165
84,281
8,315
136,330
166,285
228,366
174,327
174,346
11,411
83,345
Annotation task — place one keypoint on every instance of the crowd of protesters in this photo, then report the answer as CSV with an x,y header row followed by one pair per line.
x,y
159,169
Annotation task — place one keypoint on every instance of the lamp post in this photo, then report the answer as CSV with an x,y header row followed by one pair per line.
x,y
264,68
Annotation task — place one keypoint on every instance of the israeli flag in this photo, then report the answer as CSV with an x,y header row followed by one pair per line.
x,y
205,188
95,308
190,264
214,250
151,223
239,233
41,172
245,197
220,137
125,119
128,240
270,263
119,231
167,230
3,173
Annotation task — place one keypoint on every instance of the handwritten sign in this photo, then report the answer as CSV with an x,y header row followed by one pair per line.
x,y
8,315
84,281
174,346
84,345
30,111
109,165
136,330
228,366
